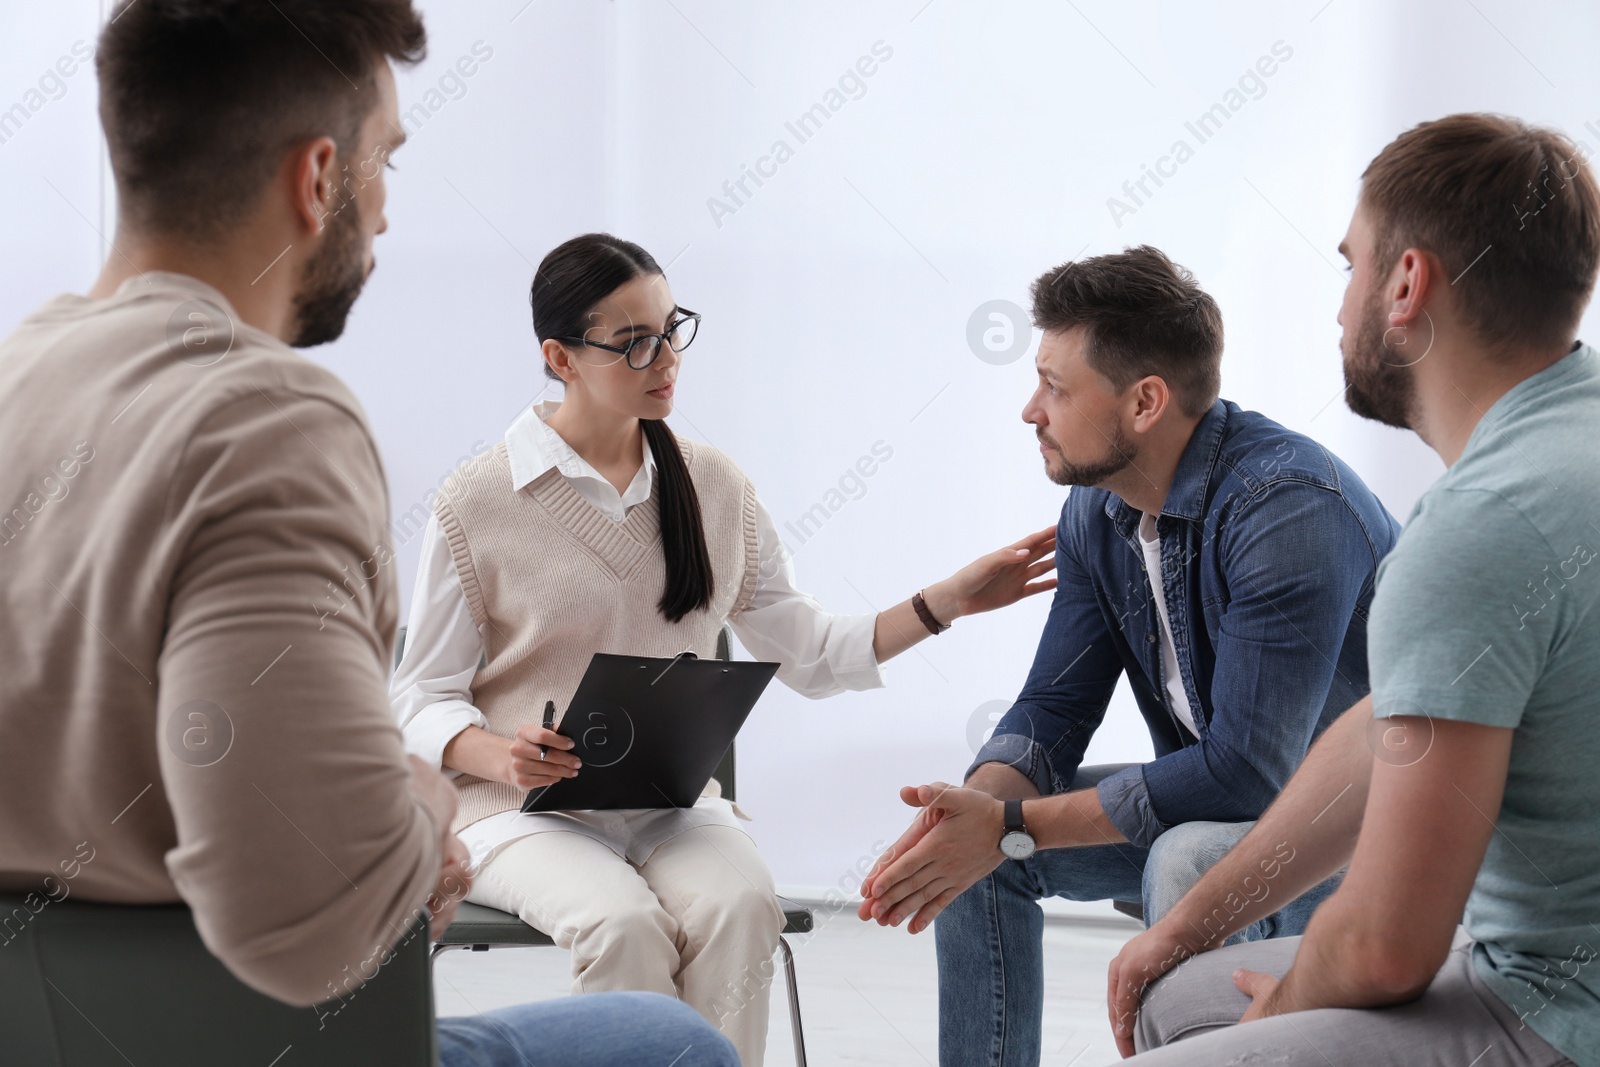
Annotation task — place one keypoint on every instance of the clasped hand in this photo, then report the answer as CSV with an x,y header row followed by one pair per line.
x,y
952,843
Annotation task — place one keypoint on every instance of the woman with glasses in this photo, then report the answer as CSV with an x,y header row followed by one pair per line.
x,y
593,528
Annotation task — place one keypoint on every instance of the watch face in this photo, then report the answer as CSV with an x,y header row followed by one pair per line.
x,y
1017,845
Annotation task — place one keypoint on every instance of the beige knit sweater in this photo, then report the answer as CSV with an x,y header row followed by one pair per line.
x,y
197,609
551,581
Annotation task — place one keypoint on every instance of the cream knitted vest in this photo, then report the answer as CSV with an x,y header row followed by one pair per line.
x,y
551,581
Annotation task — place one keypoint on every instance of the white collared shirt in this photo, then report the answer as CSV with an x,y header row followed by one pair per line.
x,y
431,692
533,448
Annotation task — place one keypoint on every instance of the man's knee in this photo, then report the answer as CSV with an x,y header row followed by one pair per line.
x,y
1198,995
959,912
1165,1014
671,1028
1009,881
970,919
1179,857
1193,996
972,912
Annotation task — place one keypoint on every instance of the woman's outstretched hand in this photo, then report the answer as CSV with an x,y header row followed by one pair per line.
x,y
1000,578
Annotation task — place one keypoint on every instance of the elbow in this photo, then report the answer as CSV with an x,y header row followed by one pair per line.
x,y
293,970
303,945
1376,954
1248,789
286,979
305,972
1392,969
1395,979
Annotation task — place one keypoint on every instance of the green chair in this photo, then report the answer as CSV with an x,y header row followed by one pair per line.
x,y
103,985
107,985
479,928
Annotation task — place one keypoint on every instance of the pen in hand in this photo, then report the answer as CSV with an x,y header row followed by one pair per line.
x,y
549,723
539,756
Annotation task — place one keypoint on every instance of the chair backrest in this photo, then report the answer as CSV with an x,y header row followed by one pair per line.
x,y
724,774
102,985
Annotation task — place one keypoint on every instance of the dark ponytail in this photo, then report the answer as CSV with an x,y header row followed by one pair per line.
x,y
570,281
683,536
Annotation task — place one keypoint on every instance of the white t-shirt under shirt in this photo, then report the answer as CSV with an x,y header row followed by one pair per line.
x,y
1150,542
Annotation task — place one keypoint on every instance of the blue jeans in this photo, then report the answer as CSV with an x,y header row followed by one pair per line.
x,y
592,1030
990,939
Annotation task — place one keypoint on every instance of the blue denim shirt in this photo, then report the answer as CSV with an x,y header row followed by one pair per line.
x,y
1269,547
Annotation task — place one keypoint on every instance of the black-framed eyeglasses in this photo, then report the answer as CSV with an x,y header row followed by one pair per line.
x,y
642,349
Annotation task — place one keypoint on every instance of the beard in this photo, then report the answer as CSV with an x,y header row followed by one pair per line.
x,y
1119,454
1376,387
333,278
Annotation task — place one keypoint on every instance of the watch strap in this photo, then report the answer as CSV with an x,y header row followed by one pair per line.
x,y
1013,817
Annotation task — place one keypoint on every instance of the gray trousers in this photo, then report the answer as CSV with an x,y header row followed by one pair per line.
x,y
1189,1017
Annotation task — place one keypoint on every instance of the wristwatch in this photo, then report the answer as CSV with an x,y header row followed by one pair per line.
x,y
1015,841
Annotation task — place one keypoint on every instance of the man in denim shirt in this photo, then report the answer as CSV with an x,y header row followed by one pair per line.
x,y
1222,561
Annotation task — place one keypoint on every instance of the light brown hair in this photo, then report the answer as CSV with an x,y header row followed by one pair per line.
x,y
1512,212
200,99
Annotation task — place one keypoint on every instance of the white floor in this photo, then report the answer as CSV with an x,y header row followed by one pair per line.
x,y
867,993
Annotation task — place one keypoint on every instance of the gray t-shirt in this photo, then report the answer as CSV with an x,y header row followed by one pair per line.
x,y
1484,613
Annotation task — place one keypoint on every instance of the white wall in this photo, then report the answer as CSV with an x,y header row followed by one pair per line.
x,y
838,294
50,151
983,151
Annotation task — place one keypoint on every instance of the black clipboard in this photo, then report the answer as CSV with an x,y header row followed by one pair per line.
x,y
650,732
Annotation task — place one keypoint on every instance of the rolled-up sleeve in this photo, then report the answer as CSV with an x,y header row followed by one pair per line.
x,y
301,846
1020,753
1125,799
1074,673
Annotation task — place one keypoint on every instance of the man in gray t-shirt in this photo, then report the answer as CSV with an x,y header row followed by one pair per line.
x,y
1463,795
1484,614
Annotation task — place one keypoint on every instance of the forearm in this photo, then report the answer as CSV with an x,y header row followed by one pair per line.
x,y
1335,965
1003,782
478,752
1383,936
898,627
1307,834
1070,820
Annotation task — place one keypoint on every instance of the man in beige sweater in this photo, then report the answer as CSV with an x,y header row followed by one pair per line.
x,y
197,594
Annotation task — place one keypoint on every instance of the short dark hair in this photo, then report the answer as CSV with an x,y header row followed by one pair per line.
x,y
201,98
1143,315
1511,210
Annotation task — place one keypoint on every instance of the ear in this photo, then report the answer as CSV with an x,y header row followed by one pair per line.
x,y
559,358
315,191
1410,285
1149,397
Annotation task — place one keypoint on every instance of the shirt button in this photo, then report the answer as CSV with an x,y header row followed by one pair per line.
x,y
1149,639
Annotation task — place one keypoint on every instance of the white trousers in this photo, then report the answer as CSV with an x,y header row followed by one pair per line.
x,y
698,920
